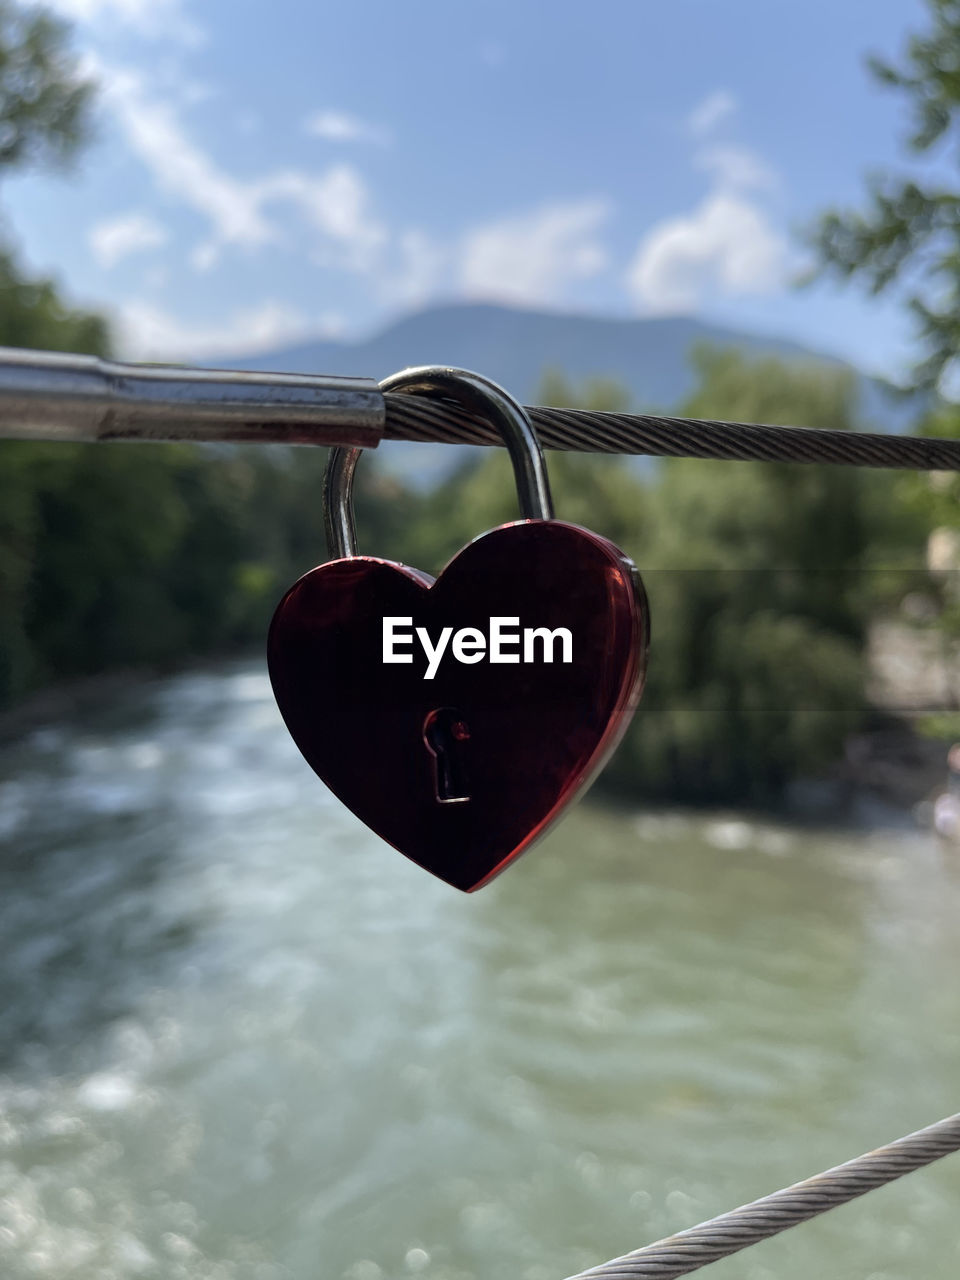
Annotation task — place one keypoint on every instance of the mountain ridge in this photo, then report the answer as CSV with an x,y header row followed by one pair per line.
x,y
514,346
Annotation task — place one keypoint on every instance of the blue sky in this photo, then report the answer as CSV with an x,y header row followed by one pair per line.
x,y
264,172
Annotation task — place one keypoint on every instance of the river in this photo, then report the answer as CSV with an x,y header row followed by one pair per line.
x,y
241,1039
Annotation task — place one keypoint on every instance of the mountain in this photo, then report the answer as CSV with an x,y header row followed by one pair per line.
x,y
648,356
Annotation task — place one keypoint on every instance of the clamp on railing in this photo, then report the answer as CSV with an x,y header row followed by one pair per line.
x,y
48,396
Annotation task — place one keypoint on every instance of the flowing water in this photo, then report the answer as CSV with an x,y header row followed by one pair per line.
x,y
240,1037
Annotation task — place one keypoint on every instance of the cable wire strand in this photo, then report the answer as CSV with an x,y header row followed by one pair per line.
x,y
729,1233
440,421
599,432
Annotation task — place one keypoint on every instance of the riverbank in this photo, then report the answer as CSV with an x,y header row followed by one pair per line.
x,y
74,699
68,700
913,682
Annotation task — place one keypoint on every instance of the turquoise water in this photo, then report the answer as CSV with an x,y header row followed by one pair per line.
x,y
240,1038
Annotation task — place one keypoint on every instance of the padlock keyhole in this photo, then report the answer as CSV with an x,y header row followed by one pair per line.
x,y
444,732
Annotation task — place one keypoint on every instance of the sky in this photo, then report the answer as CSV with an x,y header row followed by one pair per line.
x,y
263,173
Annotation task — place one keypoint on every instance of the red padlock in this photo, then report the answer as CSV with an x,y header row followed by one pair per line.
x,y
458,718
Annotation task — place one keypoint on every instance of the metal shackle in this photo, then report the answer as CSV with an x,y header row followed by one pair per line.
x,y
479,396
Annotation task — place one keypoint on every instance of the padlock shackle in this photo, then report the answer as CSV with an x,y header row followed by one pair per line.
x,y
479,396
338,522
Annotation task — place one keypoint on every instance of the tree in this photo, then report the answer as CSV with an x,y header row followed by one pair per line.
x,y
909,232
753,571
45,105
44,117
908,238
44,98
757,673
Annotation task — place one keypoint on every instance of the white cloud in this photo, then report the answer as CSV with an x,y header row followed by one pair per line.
x,y
340,126
114,239
335,203
149,332
153,18
532,257
738,167
421,265
205,256
181,168
712,111
727,244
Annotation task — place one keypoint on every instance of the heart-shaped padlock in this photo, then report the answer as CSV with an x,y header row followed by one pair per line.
x,y
458,718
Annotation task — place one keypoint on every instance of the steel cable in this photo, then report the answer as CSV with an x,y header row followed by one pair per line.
x,y
56,396
422,419
419,418
698,1246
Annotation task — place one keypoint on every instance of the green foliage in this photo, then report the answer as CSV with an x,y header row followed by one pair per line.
x,y
909,233
944,726
938,495
602,394
33,314
107,562
123,555
129,555
44,101
757,600
741,706
756,577
44,116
